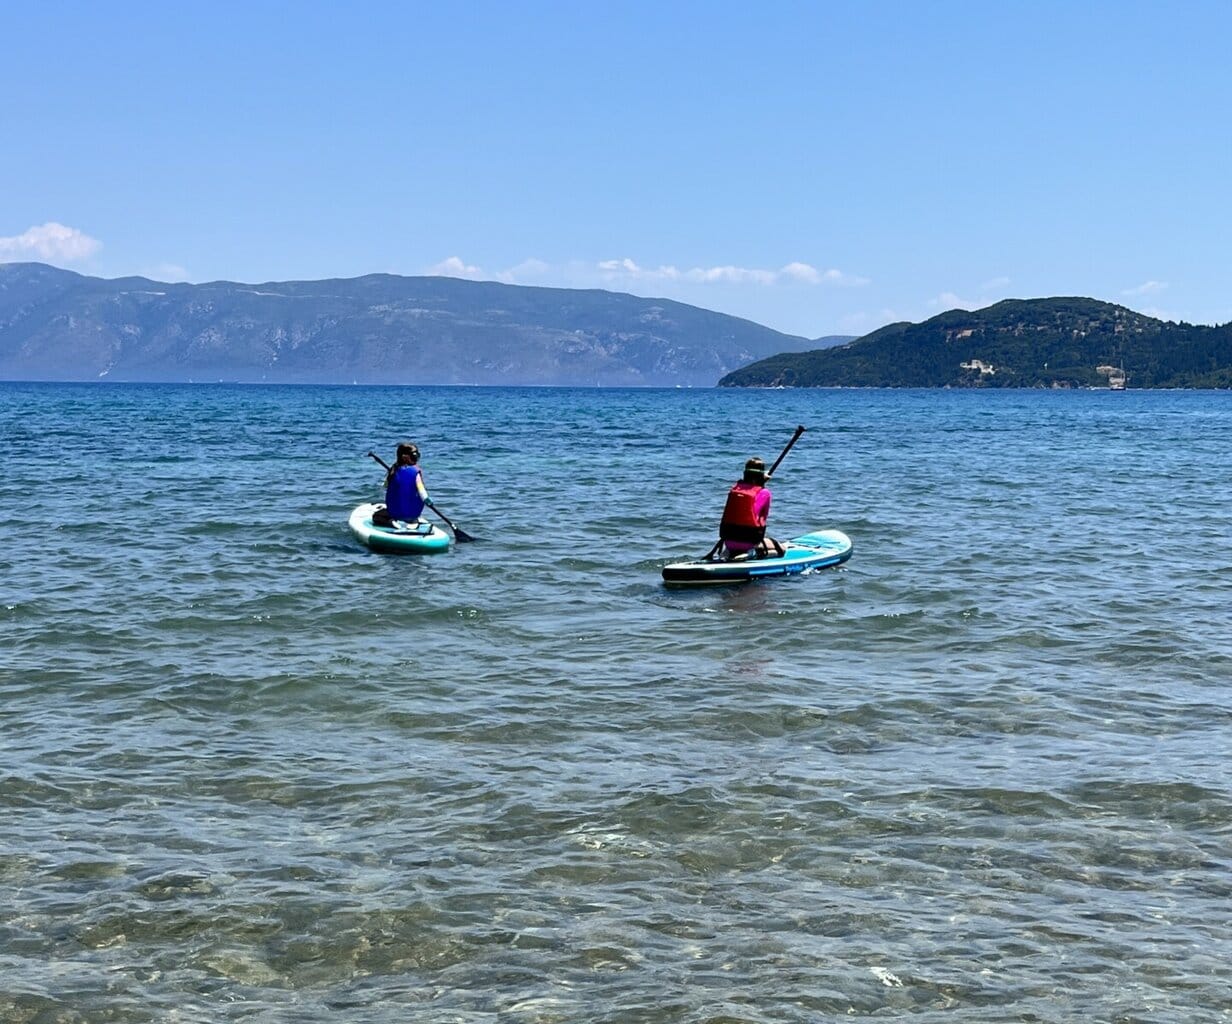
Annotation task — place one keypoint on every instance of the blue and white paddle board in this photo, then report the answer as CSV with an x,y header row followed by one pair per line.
x,y
812,551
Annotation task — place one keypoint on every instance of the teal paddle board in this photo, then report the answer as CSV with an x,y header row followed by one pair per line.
x,y
417,538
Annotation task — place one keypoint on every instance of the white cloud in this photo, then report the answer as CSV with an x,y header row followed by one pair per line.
x,y
52,242
627,265
729,275
796,272
620,274
802,272
1146,288
454,267
811,275
626,268
528,270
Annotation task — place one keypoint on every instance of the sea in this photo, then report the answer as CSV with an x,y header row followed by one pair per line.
x,y
252,771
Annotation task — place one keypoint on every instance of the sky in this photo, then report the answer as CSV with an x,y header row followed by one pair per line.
x,y
820,168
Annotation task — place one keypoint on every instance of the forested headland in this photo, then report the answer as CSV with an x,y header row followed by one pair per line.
x,y
1018,343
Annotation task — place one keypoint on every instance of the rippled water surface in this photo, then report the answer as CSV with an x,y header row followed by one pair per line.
x,y
251,771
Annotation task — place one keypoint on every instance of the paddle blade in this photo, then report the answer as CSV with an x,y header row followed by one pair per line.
x,y
460,535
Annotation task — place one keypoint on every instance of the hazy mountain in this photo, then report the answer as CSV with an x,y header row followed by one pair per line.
x,y
1058,342
58,325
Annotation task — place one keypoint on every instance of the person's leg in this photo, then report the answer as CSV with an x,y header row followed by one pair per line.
x,y
733,550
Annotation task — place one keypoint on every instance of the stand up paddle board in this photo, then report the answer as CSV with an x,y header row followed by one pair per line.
x,y
812,551
417,538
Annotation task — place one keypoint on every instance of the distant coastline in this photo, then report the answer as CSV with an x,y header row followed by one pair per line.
x,y
56,325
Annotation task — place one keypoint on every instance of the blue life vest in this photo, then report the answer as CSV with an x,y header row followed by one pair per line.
x,y
402,499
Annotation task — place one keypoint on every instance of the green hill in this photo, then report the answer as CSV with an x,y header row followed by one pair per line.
x,y
1018,343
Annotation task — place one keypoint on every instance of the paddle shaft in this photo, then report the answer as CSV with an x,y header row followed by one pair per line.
x,y
783,454
380,462
460,535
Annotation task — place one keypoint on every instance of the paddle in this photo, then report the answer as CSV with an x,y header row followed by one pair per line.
x,y
460,535
782,455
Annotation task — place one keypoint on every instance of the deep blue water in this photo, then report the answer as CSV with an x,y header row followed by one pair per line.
x,y
251,771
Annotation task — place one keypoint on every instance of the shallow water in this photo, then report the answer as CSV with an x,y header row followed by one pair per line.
x,y
251,771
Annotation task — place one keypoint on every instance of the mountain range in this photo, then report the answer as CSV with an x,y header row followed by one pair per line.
x,y
1055,342
382,328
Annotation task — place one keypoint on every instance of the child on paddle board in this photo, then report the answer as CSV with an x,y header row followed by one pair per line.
x,y
742,531
405,493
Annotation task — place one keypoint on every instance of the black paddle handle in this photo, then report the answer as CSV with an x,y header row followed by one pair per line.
x,y
782,455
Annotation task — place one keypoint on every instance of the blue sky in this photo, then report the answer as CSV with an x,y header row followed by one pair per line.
x,y
818,167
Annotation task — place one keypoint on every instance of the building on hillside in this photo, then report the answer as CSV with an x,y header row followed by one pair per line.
x,y
986,369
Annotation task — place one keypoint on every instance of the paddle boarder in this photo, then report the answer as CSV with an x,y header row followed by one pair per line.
x,y
405,493
742,531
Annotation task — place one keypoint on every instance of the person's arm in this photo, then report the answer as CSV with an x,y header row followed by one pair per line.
x,y
423,491
761,507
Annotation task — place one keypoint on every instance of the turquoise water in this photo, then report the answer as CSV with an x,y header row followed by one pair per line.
x,y
251,771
